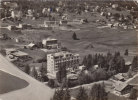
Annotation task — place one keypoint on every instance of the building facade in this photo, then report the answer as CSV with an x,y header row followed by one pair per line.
x,y
67,59
50,43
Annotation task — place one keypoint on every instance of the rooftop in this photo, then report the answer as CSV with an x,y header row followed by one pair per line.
x,y
49,39
119,76
20,53
119,86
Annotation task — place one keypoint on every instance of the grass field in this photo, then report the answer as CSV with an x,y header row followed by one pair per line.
x,y
102,39
10,83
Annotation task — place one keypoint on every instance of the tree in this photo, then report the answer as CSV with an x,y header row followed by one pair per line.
x,y
43,70
61,94
74,36
27,69
135,63
97,92
51,83
84,62
34,73
66,94
58,95
3,52
62,73
82,95
133,94
126,52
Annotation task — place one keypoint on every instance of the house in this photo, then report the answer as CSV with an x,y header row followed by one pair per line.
x,y
24,26
11,5
96,67
122,88
81,67
30,14
10,50
19,54
69,60
114,6
31,46
50,43
15,14
72,77
77,22
3,36
12,27
51,24
19,39
119,77
72,98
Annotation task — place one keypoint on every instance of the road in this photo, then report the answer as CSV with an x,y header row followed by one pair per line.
x,y
34,91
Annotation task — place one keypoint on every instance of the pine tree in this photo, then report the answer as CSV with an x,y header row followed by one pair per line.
x,y
97,92
126,52
84,62
27,69
66,95
34,73
43,70
133,94
62,73
58,95
82,95
135,63
74,36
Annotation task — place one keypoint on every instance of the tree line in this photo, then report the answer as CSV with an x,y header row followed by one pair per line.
x,y
97,92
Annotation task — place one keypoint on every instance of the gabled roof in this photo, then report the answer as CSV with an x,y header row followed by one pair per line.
x,y
119,86
119,76
31,45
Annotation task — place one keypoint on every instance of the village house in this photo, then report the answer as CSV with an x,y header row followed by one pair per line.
x,y
114,6
24,26
12,5
122,88
72,77
31,46
10,50
12,27
63,58
50,43
76,22
3,36
30,14
119,77
16,15
51,24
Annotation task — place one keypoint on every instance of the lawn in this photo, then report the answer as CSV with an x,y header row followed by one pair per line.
x,y
10,83
102,39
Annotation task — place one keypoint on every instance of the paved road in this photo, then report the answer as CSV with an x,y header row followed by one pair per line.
x,y
35,91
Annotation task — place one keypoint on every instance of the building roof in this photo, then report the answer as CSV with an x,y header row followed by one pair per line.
x,y
64,54
128,63
119,76
31,45
119,86
72,76
47,39
20,54
10,49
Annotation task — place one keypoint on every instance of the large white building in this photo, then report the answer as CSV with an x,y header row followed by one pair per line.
x,y
67,59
